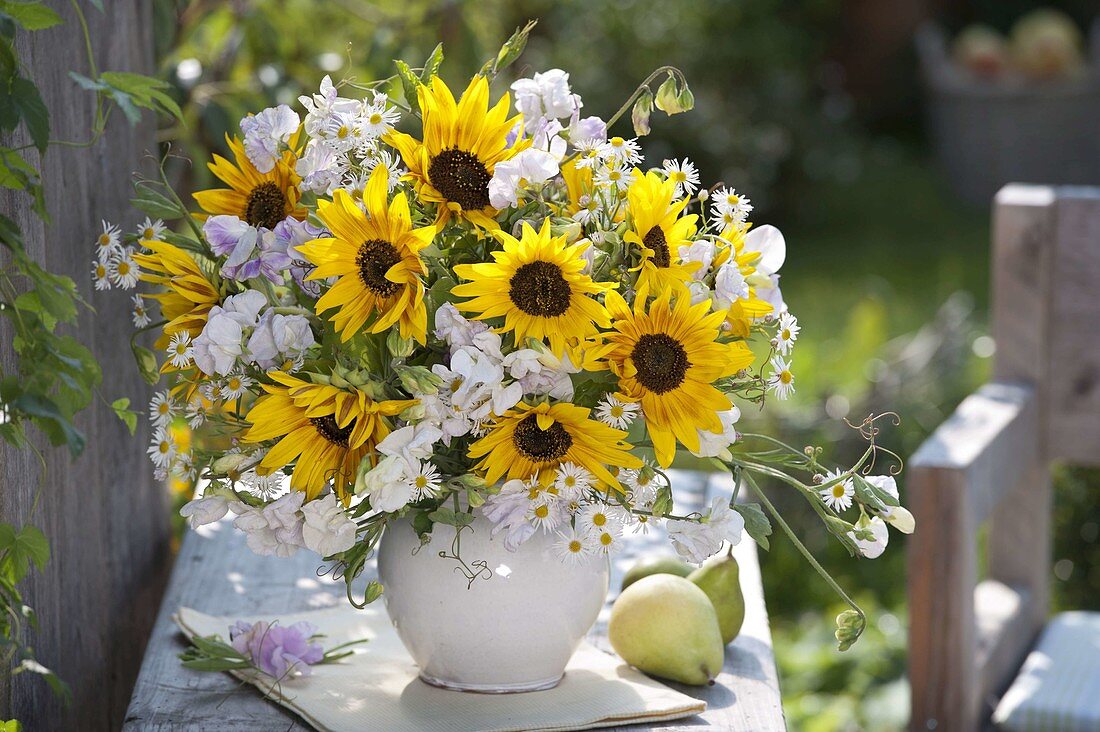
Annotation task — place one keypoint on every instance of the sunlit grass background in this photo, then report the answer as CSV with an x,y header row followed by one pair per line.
x,y
886,269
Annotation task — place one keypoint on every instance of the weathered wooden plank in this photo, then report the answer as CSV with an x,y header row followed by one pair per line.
x,y
216,573
1073,346
104,516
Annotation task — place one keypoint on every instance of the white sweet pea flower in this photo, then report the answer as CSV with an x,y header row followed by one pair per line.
x,y
266,135
321,168
699,292
716,444
547,137
411,443
897,516
247,304
545,95
326,527
218,347
769,243
278,337
701,251
275,529
729,286
509,510
205,510
873,548
454,329
539,372
695,541
321,107
387,484
527,168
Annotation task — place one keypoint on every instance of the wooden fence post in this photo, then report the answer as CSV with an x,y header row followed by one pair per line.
x,y
106,519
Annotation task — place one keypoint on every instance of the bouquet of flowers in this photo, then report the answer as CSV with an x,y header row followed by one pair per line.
x,y
503,309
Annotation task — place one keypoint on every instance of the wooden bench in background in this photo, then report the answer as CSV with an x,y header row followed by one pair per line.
x,y
988,465
217,574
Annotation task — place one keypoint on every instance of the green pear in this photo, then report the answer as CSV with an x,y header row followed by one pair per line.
x,y
656,565
666,626
719,578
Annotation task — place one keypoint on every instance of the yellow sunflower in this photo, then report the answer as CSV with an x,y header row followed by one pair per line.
x,y
659,231
188,294
462,144
668,358
537,285
529,439
324,430
261,199
376,255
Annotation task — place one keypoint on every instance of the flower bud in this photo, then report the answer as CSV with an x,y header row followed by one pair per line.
x,y
670,98
398,346
639,116
901,519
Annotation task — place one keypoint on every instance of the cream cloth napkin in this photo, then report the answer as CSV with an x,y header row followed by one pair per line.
x,y
378,687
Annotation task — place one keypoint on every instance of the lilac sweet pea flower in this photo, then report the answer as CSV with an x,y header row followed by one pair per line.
x,y
277,650
250,252
291,234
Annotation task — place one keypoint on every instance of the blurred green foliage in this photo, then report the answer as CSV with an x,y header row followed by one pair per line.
x,y
888,274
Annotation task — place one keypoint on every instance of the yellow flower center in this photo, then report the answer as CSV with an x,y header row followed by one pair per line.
x,y
162,408
376,118
342,132
570,481
606,539
542,511
599,519
786,334
786,377
234,382
147,234
100,271
616,411
123,268
164,447
575,546
838,490
104,240
421,482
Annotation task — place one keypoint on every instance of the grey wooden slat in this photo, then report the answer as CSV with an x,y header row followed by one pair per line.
x,y
216,573
105,517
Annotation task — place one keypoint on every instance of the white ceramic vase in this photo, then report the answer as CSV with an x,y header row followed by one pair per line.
x,y
512,628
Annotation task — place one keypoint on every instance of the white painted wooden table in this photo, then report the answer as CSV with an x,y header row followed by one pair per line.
x,y
217,574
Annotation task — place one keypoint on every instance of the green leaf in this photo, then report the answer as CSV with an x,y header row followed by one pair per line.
x,y
31,15
128,416
142,91
374,591
431,66
15,172
409,84
51,420
872,496
756,523
86,83
153,202
12,725
447,516
22,548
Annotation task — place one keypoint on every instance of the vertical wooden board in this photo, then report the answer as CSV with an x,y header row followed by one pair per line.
x,y
1074,327
104,516
1023,226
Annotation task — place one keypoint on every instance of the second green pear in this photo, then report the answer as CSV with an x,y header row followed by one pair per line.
x,y
720,578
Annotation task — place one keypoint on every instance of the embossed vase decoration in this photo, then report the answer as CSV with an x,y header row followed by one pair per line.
x,y
492,620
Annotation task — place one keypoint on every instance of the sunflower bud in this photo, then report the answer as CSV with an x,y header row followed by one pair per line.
x,y
398,346
639,116
418,379
849,627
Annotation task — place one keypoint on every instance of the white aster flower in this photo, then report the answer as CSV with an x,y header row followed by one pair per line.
x,y
235,385
378,118
697,540
616,413
573,480
123,271
205,510
139,314
326,527
615,175
109,242
623,151
573,547
729,208
196,413
267,485
425,480
150,230
782,380
683,174
162,408
547,511
162,448
179,349
786,333
375,157
599,517
99,275
874,547
609,539
839,496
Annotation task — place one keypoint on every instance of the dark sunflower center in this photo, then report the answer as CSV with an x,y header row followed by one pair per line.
x,y
374,259
539,288
661,362
266,206
326,427
655,240
539,445
461,177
